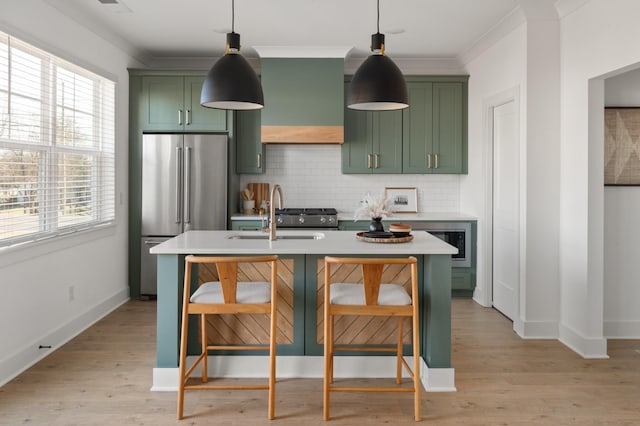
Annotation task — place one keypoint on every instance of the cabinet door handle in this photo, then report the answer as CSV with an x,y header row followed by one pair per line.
x,y
377,160
180,117
259,160
368,161
188,113
436,161
428,161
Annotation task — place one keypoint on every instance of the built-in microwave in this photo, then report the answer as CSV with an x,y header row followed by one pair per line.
x,y
458,234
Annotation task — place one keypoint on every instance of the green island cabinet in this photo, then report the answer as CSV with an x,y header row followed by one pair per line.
x,y
430,136
172,103
372,142
463,280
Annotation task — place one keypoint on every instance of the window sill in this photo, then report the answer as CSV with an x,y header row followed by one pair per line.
x,y
21,252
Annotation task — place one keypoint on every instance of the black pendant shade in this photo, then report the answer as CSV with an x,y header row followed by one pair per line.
x,y
231,83
378,84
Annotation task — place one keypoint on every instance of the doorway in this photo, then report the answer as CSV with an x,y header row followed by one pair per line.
x,y
505,205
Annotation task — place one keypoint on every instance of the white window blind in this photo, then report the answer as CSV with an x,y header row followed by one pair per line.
x,y
57,131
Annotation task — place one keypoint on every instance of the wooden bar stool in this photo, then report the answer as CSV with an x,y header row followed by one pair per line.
x,y
371,298
228,296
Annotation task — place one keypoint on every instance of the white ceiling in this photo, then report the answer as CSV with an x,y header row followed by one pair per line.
x,y
196,28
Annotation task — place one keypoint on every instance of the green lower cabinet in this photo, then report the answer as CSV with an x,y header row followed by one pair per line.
x,y
360,225
463,282
246,225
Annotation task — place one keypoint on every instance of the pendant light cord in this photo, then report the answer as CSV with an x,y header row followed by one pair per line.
x,y
233,15
378,28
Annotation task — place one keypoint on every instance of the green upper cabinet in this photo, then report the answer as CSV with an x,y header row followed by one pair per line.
x,y
428,137
250,151
435,127
172,103
417,126
373,142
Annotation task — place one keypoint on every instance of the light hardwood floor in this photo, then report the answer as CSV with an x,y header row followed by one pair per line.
x,y
103,377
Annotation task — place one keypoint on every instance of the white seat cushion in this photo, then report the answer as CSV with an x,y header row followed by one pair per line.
x,y
353,294
247,292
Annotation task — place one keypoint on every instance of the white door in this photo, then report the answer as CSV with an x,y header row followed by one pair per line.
x,y
506,226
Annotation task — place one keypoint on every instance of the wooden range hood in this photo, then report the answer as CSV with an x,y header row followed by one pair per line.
x,y
304,98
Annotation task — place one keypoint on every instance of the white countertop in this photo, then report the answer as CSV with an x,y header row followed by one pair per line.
x,y
398,217
415,217
333,243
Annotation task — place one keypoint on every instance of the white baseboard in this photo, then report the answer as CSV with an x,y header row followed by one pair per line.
x,y
586,347
437,379
536,329
622,329
165,379
479,297
433,379
24,358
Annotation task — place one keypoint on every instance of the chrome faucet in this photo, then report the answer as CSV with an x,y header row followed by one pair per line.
x,y
272,211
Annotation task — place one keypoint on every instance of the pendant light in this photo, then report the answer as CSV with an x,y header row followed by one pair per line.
x,y
378,84
232,83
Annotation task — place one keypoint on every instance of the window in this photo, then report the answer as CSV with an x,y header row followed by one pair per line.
x,y
57,135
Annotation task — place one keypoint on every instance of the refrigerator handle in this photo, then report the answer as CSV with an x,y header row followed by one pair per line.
x,y
177,183
187,185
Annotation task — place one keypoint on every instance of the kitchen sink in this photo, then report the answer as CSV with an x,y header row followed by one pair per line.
x,y
314,236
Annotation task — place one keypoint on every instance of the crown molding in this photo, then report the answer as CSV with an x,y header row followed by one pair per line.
x,y
302,51
567,7
491,37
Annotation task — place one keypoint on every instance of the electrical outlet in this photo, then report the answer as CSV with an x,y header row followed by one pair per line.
x,y
72,293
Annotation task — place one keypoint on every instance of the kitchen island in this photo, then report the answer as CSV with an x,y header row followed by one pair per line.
x,y
302,254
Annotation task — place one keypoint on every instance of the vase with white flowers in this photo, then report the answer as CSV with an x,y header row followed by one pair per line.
x,y
374,208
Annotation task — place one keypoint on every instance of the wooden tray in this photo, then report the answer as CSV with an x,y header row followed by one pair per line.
x,y
392,240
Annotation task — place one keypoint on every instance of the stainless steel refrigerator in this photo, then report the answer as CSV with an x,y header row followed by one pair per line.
x,y
184,187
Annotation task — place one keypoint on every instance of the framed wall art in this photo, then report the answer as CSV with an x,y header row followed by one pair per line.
x,y
403,200
622,146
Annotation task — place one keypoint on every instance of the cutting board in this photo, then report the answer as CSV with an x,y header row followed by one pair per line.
x,y
260,192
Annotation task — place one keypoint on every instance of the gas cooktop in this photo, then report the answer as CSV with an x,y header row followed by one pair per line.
x,y
307,218
307,211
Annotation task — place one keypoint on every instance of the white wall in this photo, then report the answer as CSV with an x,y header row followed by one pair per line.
x,y
498,70
622,232
311,176
34,282
540,286
524,66
597,40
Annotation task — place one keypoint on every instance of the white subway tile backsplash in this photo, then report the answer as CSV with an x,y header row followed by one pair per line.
x,y
311,176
